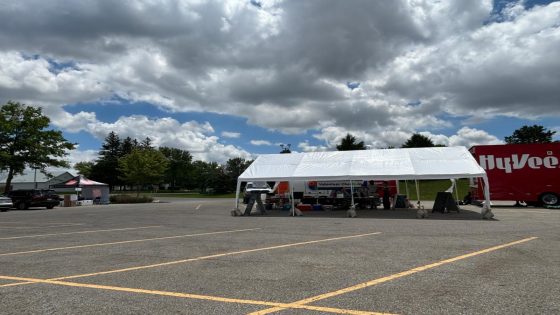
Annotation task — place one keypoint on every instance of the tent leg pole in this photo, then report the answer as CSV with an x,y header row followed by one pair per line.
x,y
421,212
486,208
417,191
457,192
294,211
292,198
406,187
352,193
238,187
352,211
235,212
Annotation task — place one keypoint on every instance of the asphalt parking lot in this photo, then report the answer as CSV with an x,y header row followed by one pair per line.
x,y
189,256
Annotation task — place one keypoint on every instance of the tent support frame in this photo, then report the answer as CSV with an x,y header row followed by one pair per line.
x,y
486,208
486,211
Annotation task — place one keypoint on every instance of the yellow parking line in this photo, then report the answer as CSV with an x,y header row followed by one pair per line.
x,y
123,242
391,277
80,232
200,258
192,296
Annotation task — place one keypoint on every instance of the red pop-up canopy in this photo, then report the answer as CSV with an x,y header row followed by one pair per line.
x,y
90,189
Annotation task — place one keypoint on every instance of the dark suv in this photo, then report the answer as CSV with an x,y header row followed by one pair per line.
x,y
25,198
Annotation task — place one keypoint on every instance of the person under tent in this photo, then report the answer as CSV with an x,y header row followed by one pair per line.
x,y
386,196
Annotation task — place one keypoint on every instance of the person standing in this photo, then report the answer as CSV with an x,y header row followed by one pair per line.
x,y
386,196
254,196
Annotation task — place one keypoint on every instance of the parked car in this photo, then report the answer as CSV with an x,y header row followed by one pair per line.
x,y
5,203
25,198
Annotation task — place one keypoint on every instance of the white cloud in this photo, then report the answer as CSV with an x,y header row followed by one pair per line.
x,y
383,139
77,155
73,157
504,68
260,142
439,19
306,147
379,139
72,122
283,66
469,136
195,137
465,136
230,134
34,81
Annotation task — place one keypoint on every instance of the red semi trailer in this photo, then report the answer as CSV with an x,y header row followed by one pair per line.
x,y
520,172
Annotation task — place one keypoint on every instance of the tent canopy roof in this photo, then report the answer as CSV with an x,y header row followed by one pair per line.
x,y
385,164
79,181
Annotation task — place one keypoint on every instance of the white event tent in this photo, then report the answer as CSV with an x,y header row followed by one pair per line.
x,y
384,164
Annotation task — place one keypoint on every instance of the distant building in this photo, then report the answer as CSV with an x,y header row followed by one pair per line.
x,y
35,180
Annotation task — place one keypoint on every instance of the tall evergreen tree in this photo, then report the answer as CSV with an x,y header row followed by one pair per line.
x,y
350,143
531,134
106,168
146,143
127,145
111,148
418,141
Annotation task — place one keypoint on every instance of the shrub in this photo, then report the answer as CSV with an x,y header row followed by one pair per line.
x,y
130,199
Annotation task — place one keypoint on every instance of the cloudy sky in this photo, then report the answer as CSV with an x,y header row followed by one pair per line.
x,y
236,78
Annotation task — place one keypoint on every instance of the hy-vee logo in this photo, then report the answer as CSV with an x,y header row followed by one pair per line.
x,y
516,162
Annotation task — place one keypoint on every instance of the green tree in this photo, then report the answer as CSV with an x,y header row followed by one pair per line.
x,y
199,175
234,168
217,179
180,166
418,141
210,176
143,167
127,145
349,143
146,143
111,148
27,141
106,168
531,134
84,168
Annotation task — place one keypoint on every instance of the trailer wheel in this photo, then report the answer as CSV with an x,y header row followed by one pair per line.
x,y
549,199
